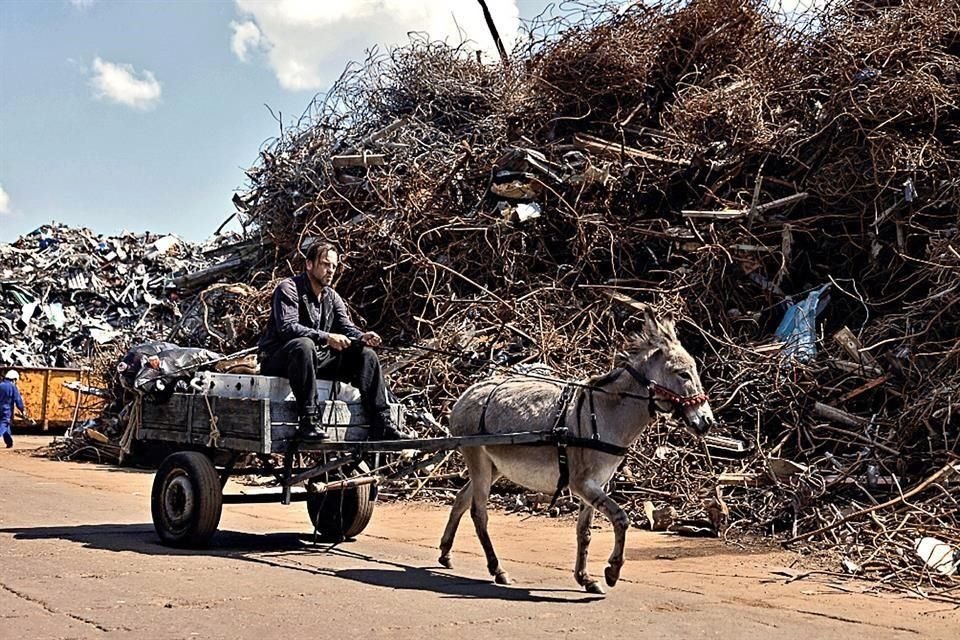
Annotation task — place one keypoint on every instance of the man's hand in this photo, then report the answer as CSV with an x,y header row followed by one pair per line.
x,y
338,341
371,339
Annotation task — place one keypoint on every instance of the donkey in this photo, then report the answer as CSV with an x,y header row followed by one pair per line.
x,y
605,417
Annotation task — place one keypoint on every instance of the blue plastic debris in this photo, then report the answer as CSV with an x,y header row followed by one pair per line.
x,y
865,75
909,191
798,329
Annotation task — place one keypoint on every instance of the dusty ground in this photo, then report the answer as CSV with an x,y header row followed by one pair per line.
x,y
79,559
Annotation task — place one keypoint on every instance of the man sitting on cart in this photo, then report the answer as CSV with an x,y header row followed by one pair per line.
x,y
310,335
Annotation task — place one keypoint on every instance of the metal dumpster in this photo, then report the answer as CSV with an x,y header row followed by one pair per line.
x,y
49,402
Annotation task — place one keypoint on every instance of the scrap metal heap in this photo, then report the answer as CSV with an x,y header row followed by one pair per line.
x,y
706,157
65,293
791,188
72,298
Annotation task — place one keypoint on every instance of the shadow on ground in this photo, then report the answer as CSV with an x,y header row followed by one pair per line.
x,y
276,549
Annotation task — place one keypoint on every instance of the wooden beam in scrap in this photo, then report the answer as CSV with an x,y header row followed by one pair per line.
x,y
627,300
603,147
735,214
358,160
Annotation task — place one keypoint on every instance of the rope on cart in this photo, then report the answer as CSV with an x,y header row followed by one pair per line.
x,y
134,421
214,439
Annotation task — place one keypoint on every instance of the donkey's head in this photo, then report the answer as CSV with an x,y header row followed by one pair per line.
x,y
658,356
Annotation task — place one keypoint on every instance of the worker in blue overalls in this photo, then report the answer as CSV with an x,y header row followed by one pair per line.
x,y
9,398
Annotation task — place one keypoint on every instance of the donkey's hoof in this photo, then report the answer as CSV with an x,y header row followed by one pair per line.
x,y
595,587
445,561
502,577
612,574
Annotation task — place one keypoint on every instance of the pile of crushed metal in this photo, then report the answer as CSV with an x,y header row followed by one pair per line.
x,y
65,292
72,298
790,188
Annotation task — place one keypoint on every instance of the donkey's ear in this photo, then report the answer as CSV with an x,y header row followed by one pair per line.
x,y
657,329
651,326
668,325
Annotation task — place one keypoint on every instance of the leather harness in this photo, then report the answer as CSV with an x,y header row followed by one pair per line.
x,y
561,434
563,439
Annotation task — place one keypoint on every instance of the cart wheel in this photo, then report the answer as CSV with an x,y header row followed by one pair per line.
x,y
186,500
338,515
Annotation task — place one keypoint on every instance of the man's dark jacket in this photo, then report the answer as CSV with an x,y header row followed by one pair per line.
x,y
296,312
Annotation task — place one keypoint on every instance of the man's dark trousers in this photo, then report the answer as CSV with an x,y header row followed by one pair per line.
x,y
301,363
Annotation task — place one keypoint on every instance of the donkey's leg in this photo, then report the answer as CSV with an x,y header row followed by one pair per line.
x,y
580,573
482,475
460,505
600,501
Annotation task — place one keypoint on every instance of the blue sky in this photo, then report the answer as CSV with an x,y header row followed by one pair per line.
x,y
142,115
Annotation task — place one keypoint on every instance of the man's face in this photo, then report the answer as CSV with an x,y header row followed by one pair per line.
x,y
324,268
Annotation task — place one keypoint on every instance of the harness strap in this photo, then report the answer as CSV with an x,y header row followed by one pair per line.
x,y
593,418
592,443
563,440
645,382
670,396
482,423
560,422
562,437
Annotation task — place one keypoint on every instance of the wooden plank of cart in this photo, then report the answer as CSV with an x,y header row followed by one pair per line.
x,y
230,419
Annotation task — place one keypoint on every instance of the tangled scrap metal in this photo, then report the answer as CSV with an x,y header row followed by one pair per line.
x,y
710,158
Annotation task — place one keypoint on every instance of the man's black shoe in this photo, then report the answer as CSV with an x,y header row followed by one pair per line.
x,y
383,427
309,430
388,432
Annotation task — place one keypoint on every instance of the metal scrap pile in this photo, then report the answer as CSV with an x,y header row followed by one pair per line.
x,y
706,157
70,298
66,292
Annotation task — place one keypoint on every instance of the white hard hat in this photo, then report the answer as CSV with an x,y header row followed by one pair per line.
x,y
12,374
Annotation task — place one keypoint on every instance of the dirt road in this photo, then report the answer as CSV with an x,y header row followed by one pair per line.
x,y
79,559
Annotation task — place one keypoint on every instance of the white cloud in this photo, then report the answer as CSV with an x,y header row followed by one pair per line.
x,y
4,201
309,43
122,84
789,7
83,4
246,37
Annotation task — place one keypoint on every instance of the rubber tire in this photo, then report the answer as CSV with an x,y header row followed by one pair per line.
x,y
339,515
186,500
